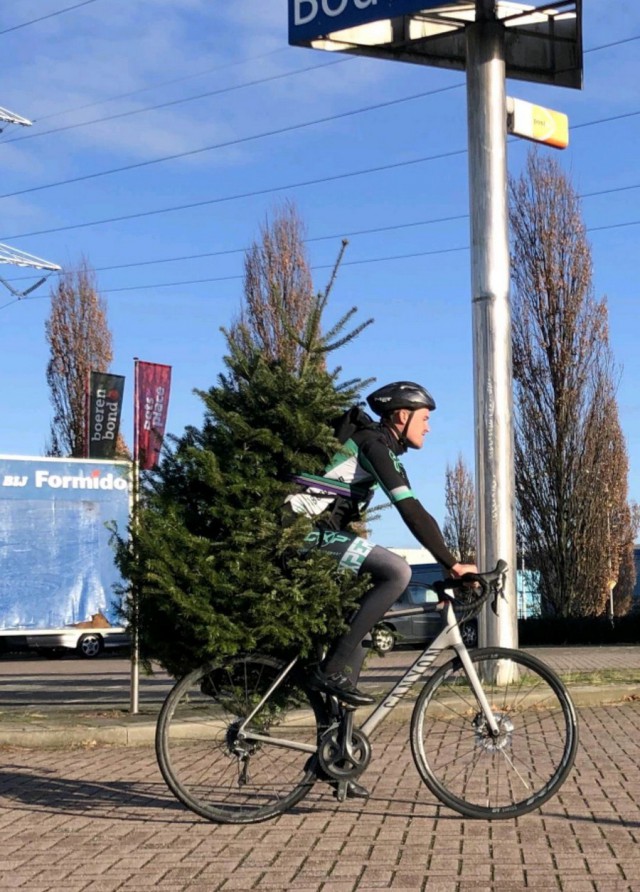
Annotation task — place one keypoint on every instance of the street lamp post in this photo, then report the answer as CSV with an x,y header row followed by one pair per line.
x,y
487,141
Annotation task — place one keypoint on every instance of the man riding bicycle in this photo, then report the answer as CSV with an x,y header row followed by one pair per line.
x,y
368,458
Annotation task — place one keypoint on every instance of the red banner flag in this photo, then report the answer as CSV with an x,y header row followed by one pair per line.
x,y
153,383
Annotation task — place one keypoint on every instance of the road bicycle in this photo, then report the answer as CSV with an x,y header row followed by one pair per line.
x,y
493,731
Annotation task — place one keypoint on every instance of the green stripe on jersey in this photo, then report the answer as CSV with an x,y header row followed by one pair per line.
x,y
346,451
400,493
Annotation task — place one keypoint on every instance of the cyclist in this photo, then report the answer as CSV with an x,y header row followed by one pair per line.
x,y
369,458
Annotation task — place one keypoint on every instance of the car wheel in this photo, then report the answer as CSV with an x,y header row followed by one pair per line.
x,y
469,632
383,639
89,646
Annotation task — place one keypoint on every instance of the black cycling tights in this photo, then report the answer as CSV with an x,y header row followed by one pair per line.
x,y
391,575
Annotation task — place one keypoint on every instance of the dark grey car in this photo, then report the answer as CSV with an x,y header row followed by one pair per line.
x,y
423,627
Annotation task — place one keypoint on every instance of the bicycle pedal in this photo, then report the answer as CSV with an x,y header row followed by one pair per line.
x,y
340,791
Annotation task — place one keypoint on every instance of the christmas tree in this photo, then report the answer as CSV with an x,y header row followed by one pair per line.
x,y
212,568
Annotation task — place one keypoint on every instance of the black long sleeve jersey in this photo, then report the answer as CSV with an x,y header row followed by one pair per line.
x,y
368,459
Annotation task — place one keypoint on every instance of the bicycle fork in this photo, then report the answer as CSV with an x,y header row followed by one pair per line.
x,y
478,690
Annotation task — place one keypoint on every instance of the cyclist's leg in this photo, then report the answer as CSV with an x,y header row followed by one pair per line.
x,y
390,575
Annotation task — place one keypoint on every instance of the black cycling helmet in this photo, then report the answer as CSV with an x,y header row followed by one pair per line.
x,y
400,395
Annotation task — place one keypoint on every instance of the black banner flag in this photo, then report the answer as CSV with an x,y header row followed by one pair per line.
x,y
105,408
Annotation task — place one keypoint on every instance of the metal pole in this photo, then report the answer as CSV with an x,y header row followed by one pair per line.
x,y
134,706
491,313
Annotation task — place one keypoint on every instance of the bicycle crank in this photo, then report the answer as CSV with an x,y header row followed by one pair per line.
x,y
343,758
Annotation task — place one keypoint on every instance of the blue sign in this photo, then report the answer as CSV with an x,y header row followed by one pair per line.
x,y
57,561
67,480
310,19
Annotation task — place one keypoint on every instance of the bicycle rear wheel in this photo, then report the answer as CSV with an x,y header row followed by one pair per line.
x,y
468,769
212,768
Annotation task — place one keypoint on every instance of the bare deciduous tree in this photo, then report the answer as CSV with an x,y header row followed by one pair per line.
x,y
571,464
278,290
79,341
459,528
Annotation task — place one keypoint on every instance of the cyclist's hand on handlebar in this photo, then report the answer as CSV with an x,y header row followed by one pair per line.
x,y
460,569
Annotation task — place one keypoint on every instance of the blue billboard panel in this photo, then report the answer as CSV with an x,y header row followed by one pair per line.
x,y
309,19
56,562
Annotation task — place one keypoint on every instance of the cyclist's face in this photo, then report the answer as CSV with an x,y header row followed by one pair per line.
x,y
418,428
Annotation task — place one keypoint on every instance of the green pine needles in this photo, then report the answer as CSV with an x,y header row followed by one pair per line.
x,y
213,568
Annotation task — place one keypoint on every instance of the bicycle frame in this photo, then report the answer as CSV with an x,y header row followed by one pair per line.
x,y
448,639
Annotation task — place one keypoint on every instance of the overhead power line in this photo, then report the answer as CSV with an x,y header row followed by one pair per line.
x,y
174,102
362,262
229,143
254,193
356,232
273,189
186,99
278,131
50,15
158,85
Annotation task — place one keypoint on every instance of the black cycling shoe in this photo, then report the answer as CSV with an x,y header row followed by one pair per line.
x,y
356,791
340,686
351,790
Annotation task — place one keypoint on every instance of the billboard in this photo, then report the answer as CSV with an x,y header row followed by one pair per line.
x,y
56,562
309,19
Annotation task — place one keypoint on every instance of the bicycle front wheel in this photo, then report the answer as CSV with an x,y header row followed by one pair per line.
x,y
211,762
481,775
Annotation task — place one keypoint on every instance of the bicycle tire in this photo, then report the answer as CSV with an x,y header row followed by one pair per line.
x,y
209,770
464,766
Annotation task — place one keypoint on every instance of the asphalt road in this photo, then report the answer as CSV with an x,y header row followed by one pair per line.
x,y
104,682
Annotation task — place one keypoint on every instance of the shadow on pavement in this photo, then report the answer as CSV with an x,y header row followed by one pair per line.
x,y
38,792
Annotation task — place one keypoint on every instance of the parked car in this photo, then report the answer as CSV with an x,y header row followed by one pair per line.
x,y
424,626
87,639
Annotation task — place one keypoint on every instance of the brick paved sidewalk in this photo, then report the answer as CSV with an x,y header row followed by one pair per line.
x,y
99,819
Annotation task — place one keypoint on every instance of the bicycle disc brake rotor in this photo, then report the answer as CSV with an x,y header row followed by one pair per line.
x,y
339,764
485,739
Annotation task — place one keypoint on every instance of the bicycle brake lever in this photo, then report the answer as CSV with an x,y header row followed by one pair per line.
x,y
496,598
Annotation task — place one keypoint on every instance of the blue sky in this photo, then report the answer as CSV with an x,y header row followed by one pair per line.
x,y
370,150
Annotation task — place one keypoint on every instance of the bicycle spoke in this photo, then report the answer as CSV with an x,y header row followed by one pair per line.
x,y
212,767
485,775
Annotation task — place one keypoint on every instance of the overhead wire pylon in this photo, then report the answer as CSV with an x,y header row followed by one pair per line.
x,y
20,258
15,256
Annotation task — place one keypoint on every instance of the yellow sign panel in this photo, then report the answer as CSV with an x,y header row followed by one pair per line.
x,y
537,123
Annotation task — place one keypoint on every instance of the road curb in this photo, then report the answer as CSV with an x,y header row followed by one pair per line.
x,y
65,733
66,730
